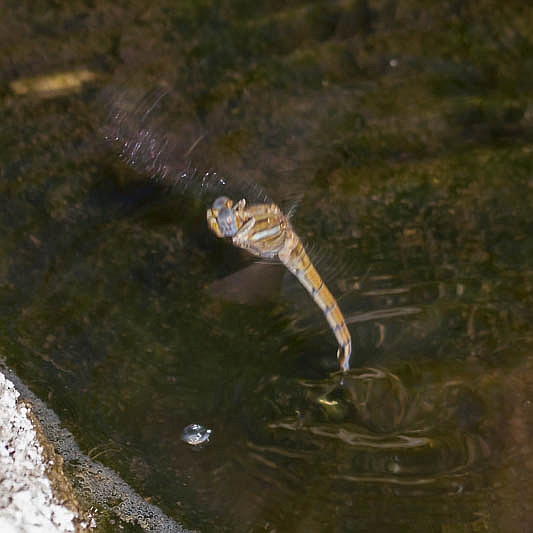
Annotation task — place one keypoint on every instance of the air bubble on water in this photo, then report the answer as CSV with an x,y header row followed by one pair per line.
x,y
195,434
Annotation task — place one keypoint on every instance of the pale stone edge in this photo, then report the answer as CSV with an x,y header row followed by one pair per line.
x,y
93,478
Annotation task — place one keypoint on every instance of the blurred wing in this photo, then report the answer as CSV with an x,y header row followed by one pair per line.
x,y
252,285
157,137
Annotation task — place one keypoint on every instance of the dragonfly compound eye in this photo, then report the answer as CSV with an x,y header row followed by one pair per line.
x,y
221,202
227,222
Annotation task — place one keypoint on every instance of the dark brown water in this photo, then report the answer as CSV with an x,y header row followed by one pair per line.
x,y
404,134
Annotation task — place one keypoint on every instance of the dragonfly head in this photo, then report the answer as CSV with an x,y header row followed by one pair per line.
x,y
221,218
221,202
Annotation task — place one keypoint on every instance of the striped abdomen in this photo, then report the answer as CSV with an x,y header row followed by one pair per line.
x,y
295,258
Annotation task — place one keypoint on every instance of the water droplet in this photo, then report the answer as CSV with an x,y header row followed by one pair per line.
x,y
195,434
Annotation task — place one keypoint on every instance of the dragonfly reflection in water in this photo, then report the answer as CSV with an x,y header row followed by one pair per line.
x,y
260,228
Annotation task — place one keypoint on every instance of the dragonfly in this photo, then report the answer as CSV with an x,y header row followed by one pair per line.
x,y
260,228
264,231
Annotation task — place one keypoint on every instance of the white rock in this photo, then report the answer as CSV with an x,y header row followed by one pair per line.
x,y
27,504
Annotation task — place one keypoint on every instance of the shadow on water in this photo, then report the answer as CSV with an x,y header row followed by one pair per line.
x,y
411,162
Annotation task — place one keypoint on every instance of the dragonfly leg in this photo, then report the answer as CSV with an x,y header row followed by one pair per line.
x,y
212,223
240,205
241,238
